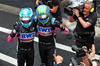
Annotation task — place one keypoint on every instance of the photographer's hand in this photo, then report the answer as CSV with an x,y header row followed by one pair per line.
x,y
92,54
76,11
82,64
86,51
58,58
37,2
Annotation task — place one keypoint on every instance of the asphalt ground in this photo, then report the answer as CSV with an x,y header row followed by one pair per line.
x,y
7,19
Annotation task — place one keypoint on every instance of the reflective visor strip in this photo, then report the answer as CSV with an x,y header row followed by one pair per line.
x,y
42,16
25,18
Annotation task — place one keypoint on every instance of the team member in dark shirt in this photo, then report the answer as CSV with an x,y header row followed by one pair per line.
x,y
85,30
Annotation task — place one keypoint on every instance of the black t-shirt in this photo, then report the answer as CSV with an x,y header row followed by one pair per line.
x,y
92,18
57,15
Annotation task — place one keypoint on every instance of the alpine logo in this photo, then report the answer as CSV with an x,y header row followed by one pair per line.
x,y
42,29
27,35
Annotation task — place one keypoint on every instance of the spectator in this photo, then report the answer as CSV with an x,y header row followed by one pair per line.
x,y
84,31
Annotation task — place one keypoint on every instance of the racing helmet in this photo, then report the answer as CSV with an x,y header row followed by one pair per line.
x,y
26,16
43,13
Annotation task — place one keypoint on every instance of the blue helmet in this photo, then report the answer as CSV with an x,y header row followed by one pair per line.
x,y
43,13
26,14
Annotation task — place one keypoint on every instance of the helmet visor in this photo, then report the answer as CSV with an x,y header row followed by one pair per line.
x,y
43,16
25,19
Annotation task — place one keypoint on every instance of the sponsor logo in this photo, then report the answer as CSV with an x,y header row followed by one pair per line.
x,y
41,29
27,35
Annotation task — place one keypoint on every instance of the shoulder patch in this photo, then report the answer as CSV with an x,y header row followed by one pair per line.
x,y
35,18
53,20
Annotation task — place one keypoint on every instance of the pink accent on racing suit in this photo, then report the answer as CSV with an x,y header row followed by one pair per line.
x,y
10,38
66,31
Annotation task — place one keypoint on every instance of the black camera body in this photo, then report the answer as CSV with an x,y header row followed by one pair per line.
x,y
70,4
67,10
48,4
79,51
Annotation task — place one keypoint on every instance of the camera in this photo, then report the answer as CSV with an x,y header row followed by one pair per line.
x,y
67,10
40,3
79,51
73,62
48,4
70,4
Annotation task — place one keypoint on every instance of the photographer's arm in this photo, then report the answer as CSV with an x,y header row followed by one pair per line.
x,y
83,23
54,9
37,2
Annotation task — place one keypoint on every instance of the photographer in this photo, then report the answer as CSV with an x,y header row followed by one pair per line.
x,y
84,31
